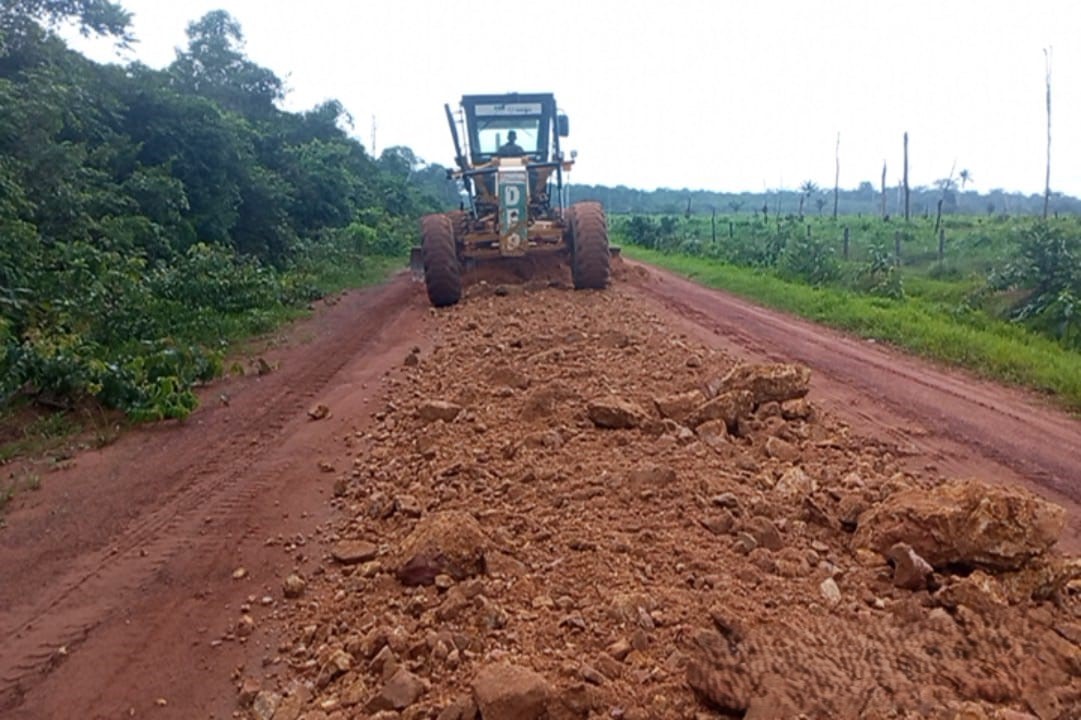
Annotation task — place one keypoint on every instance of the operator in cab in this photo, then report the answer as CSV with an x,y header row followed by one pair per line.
x,y
511,148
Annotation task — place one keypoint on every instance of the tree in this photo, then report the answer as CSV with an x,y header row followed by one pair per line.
x,y
883,210
215,67
906,178
948,197
1047,176
807,189
965,176
20,18
836,176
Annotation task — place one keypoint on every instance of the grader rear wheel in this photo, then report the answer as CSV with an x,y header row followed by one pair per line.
x,y
442,271
589,246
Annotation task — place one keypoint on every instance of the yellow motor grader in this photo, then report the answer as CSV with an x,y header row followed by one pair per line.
x,y
510,167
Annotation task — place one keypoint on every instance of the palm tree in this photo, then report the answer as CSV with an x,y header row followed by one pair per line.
x,y
807,189
966,177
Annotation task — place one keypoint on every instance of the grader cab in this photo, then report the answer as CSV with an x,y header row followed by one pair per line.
x,y
511,168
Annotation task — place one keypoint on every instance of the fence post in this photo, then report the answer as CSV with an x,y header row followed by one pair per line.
x,y
941,244
846,243
731,230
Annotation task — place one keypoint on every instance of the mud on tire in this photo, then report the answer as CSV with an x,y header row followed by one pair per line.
x,y
459,220
442,271
589,245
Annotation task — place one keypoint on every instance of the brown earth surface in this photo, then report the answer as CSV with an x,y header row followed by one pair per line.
x,y
542,501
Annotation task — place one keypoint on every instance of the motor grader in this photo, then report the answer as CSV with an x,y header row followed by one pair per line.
x,y
510,167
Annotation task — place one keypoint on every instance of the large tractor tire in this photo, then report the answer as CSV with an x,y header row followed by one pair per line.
x,y
459,220
589,245
442,271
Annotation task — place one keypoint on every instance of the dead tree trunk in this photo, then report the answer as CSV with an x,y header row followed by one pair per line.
x,y
836,175
906,176
1047,176
883,189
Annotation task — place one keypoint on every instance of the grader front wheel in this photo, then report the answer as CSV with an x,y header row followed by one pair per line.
x,y
442,271
589,246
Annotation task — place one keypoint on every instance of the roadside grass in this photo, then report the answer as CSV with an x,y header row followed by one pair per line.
x,y
335,277
922,323
32,432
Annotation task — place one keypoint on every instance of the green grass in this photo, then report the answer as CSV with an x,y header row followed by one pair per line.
x,y
30,435
33,432
328,277
335,277
992,348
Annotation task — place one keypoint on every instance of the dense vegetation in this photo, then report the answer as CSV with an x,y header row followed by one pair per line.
x,y
148,216
999,295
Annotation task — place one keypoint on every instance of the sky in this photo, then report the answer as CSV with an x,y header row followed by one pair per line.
x,y
715,95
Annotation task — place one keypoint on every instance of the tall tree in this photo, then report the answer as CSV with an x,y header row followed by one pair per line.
x,y
906,178
806,190
883,192
836,174
1047,176
215,67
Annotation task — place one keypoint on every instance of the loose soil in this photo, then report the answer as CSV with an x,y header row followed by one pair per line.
x,y
490,507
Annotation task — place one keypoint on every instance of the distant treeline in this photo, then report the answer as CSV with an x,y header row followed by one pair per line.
x,y
864,200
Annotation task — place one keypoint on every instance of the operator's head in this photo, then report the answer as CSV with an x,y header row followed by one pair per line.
x,y
512,136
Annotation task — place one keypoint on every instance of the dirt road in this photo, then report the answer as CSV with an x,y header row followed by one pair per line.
x,y
945,418
127,579
115,575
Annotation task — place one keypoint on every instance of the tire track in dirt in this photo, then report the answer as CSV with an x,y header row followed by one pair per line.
x,y
976,426
204,484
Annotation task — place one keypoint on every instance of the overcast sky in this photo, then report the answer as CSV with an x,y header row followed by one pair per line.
x,y
715,95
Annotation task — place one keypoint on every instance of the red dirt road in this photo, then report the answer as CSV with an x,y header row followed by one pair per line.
x,y
116,579
961,424
116,576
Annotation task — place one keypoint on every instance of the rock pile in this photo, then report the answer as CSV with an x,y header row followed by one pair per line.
x,y
565,510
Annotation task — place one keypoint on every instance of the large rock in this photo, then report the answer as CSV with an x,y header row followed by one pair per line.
x,y
965,523
615,413
432,410
679,407
729,407
509,692
446,543
774,382
714,434
795,484
910,571
400,691
351,552
782,450
265,705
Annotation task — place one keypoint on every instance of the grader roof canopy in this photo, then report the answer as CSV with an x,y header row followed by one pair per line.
x,y
489,120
